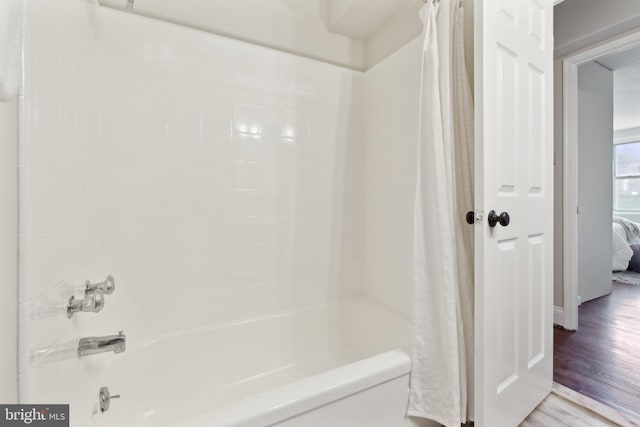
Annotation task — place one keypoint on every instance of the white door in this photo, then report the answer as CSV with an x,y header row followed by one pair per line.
x,y
514,161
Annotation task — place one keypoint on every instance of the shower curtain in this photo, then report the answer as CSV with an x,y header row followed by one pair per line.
x,y
442,363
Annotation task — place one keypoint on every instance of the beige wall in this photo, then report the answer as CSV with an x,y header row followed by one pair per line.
x,y
8,250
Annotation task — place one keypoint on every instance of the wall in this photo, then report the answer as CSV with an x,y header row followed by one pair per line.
x,y
355,34
405,26
216,180
595,193
579,24
558,190
290,25
392,90
582,23
9,250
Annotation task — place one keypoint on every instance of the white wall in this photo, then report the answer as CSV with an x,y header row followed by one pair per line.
x,y
405,26
402,28
296,26
558,190
595,194
359,18
626,98
356,34
9,250
216,180
392,90
581,23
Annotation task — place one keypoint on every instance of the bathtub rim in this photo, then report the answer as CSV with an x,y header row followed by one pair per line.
x,y
304,395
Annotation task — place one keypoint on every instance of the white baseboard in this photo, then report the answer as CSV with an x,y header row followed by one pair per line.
x,y
558,316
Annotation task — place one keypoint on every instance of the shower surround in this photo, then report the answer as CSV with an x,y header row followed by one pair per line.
x,y
227,189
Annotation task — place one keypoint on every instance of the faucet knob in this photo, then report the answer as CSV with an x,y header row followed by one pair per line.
x,y
104,398
91,304
106,287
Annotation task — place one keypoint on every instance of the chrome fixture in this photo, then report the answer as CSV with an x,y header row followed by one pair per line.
x,y
104,398
94,345
92,303
107,287
93,300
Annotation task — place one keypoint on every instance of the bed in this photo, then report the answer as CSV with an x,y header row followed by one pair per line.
x,y
626,242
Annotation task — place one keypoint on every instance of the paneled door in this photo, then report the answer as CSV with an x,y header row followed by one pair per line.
x,y
514,202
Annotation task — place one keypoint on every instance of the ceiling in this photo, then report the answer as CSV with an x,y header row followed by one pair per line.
x,y
626,87
359,19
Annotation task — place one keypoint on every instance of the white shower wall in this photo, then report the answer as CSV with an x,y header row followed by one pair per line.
x,y
8,249
392,102
215,180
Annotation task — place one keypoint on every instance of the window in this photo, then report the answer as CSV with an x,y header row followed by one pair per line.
x,y
626,171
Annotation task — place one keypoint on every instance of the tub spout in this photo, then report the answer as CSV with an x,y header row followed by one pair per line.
x,y
94,345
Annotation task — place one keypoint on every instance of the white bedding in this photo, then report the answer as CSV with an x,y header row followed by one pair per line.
x,y
621,251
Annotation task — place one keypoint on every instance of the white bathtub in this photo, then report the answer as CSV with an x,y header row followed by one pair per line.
x,y
343,364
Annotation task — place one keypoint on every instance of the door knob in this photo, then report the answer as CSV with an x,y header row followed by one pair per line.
x,y
471,217
504,219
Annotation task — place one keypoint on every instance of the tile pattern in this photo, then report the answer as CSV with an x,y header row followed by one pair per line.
x,y
216,180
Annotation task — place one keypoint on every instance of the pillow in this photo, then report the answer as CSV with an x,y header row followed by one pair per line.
x,y
634,262
621,252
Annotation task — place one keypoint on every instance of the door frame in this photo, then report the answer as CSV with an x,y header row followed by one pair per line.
x,y
570,171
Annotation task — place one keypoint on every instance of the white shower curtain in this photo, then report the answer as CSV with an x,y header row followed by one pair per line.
x,y
442,368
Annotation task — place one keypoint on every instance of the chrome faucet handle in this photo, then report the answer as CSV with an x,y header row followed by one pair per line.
x,y
92,303
106,287
104,398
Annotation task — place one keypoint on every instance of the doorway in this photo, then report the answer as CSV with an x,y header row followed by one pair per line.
x,y
595,353
571,192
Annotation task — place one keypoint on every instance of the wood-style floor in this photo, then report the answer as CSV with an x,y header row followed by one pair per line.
x,y
601,359
565,407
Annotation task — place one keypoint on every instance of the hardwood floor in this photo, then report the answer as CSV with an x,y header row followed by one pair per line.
x,y
565,407
602,359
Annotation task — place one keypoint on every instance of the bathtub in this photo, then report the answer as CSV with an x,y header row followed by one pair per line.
x,y
341,364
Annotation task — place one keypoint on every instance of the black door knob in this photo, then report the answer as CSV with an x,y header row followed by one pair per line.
x,y
471,217
504,219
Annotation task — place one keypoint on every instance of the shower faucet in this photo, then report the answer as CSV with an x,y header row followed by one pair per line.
x,y
107,287
95,345
89,304
93,300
